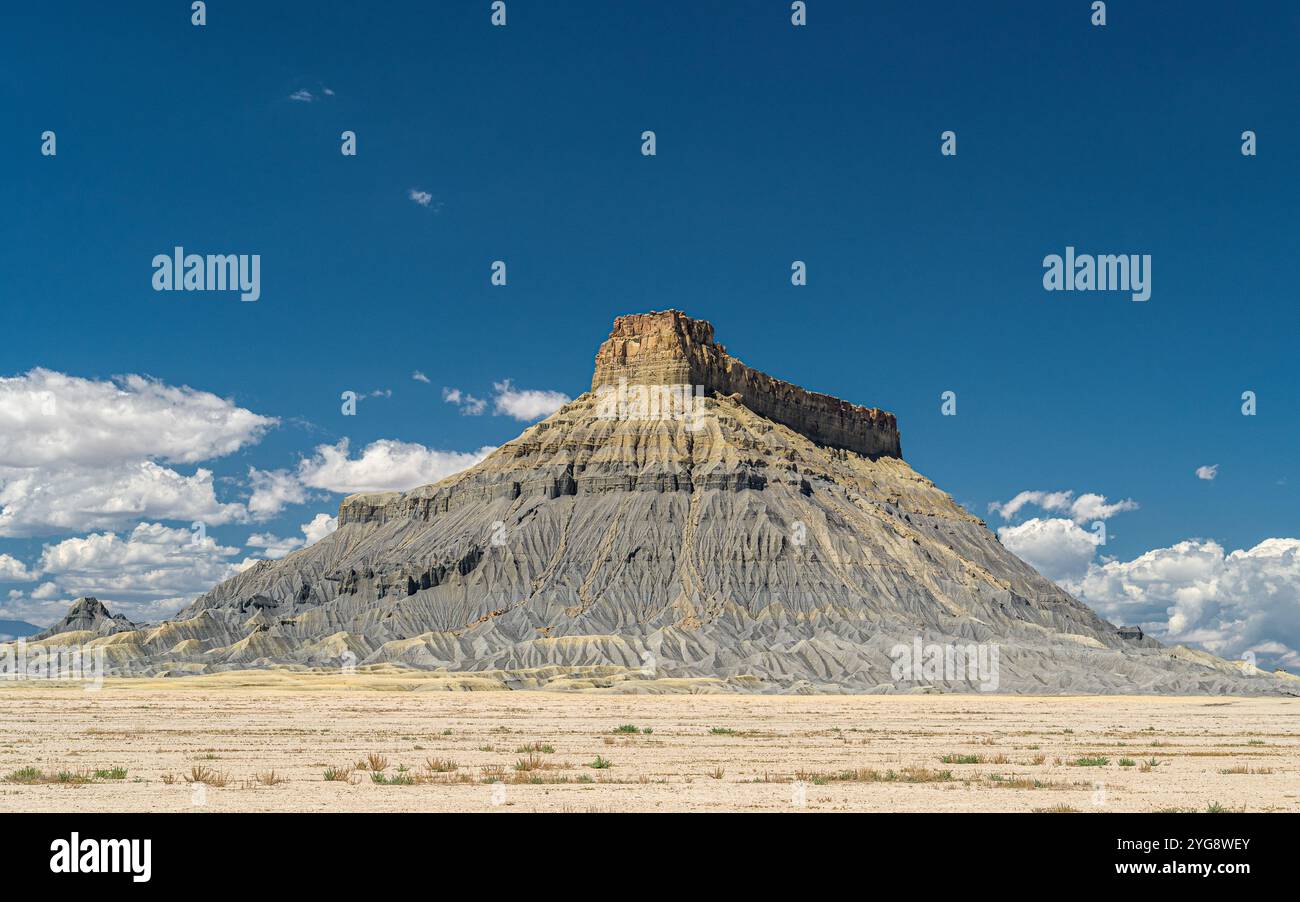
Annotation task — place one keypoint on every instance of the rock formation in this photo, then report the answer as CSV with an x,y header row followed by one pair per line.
x,y
754,536
669,349
89,615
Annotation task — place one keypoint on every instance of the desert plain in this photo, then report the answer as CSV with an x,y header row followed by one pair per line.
x,y
394,741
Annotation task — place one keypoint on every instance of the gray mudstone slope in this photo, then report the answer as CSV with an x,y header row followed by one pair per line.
x,y
788,550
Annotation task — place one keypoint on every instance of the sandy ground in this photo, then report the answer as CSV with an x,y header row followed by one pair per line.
x,y
533,751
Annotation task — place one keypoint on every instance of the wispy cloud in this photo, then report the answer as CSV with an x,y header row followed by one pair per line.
x,y
1207,473
302,95
1084,508
469,405
423,198
420,377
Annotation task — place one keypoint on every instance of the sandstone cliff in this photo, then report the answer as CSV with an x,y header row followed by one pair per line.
x,y
669,348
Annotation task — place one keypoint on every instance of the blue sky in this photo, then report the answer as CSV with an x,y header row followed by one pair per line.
x,y
775,143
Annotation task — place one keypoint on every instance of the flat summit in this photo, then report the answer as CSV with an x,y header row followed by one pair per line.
x,y
688,522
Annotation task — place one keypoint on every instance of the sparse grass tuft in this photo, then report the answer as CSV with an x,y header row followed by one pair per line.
x,y
601,763
398,779
201,774
627,728
1089,762
25,775
376,762
268,777
530,763
338,774
1243,769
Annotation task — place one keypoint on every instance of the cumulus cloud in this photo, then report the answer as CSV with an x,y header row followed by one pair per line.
x,y
302,95
150,572
419,377
1207,473
44,500
384,466
320,526
79,454
1195,592
272,546
527,404
46,591
273,490
50,418
1057,548
1083,509
423,198
14,570
275,547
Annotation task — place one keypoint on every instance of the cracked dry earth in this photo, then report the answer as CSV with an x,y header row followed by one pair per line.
x,y
534,751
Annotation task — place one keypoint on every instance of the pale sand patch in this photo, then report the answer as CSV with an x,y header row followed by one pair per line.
x,y
784,749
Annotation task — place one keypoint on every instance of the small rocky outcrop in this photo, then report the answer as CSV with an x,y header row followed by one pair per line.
x,y
88,614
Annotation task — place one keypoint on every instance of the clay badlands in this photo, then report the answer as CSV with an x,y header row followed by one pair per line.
x,y
746,535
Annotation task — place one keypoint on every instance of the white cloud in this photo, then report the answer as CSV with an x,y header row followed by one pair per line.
x,y
423,198
384,466
275,547
1057,548
302,95
1083,509
50,418
79,454
14,570
1207,473
1195,593
320,526
469,405
45,500
1050,501
527,404
419,377
272,491
152,571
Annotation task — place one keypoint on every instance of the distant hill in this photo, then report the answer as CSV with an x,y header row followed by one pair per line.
x,y
17,629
